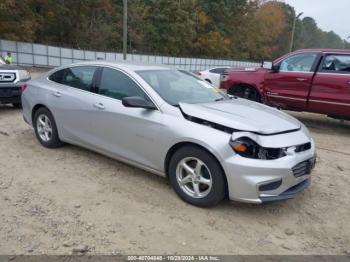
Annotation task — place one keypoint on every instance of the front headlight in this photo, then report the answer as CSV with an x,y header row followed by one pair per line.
x,y
23,75
248,148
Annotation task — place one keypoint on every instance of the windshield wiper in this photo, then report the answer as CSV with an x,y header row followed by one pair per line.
x,y
219,99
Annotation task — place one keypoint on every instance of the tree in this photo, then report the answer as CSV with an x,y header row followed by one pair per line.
x,y
238,29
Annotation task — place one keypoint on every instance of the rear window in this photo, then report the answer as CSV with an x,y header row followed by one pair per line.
x,y
217,70
57,76
336,64
79,77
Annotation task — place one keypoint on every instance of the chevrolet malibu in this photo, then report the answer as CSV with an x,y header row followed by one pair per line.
x,y
170,122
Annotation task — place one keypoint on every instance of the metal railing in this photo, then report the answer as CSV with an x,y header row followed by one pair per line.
x,y
31,54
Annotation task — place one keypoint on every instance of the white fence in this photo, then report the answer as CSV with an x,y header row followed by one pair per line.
x,y
30,54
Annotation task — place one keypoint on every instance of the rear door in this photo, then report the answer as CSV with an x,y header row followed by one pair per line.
x,y
70,102
289,86
330,93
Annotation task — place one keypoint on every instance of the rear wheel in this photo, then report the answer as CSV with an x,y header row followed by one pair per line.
x,y
17,105
197,177
245,91
45,128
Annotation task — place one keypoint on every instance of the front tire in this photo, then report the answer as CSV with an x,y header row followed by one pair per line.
x,y
46,129
197,177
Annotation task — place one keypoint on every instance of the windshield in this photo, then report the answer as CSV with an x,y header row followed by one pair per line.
x,y
176,86
1,61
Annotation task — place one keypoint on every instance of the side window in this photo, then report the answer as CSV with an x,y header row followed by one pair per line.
x,y
79,77
118,85
336,64
57,76
217,70
298,63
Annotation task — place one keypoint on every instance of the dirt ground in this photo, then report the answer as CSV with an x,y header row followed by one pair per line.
x,y
73,200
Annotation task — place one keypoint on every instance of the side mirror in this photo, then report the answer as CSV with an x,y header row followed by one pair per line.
x,y
138,102
267,65
271,66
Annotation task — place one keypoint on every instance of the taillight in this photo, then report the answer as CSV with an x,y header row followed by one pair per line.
x,y
23,87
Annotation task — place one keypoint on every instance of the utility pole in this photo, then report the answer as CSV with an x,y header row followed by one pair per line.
x,y
293,31
125,28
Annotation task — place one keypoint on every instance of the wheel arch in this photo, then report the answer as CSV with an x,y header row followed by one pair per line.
x,y
179,145
36,108
241,84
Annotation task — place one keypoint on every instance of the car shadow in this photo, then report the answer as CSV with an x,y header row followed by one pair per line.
x,y
8,108
323,124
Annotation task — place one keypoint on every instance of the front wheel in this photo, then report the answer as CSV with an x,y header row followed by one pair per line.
x,y
197,177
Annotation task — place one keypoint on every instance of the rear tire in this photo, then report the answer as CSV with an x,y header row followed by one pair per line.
x,y
197,177
246,92
17,105
46,129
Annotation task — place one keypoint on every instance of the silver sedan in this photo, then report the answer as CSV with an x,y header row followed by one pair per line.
x,y
170,122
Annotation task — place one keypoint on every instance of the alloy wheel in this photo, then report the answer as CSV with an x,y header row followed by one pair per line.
x,y
194,177
44,128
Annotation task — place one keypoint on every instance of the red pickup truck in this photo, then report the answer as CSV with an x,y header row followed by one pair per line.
x,y
312,80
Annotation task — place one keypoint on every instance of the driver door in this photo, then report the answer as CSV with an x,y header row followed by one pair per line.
x,y
129,133
289,87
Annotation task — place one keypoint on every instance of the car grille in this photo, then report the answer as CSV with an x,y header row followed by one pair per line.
x,y
303,168
7,77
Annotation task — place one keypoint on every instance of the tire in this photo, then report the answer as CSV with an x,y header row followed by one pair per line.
x,y
208,80
245,91
46,134
17,105
210,170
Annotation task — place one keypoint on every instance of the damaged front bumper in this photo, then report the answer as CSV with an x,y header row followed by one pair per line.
x,y
260,181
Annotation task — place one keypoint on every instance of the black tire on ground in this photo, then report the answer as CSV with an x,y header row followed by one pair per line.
x,y
245,91
218,190
17,105
54,140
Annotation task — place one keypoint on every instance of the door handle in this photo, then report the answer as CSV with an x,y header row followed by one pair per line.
x,y
99,106
57,94
301,79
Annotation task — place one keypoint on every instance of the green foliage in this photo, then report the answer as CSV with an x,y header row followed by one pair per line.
x,y
239,29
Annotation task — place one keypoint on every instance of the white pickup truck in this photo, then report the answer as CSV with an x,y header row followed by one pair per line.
x,y
12,81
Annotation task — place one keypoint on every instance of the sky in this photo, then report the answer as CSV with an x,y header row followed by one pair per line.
x,y
329,14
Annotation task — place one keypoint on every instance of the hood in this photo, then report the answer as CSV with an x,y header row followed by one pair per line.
x,y
243,115
247,69
10,67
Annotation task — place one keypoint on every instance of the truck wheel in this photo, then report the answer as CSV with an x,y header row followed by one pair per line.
x,y
245,91
17,105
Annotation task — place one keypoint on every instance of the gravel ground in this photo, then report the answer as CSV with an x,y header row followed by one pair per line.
x,y
71,200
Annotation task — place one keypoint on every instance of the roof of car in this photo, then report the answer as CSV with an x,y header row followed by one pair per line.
x,y
318,50
321,50
126,65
